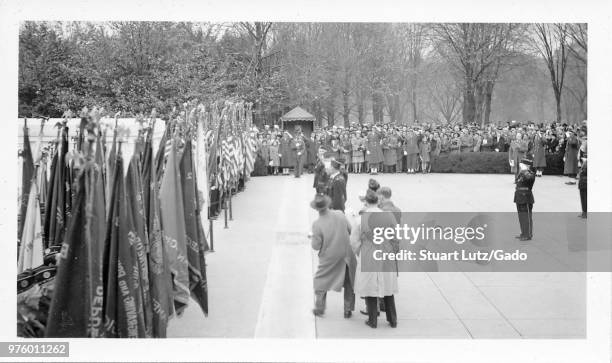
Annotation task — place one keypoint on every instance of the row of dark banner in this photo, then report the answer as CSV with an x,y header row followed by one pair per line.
x,y
114,247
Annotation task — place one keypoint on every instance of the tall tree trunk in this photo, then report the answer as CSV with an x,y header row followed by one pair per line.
x,y
360,108
330,110
468,103
478,102
398,109
316,106
413,98
487,106
558,101
374,108
346,110
393,107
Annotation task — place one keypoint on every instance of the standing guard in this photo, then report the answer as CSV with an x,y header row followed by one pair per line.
x,y
523,197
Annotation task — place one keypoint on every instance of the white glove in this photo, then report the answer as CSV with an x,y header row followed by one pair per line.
x,y
368,152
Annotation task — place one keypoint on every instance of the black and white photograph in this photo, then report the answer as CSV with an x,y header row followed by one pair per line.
x,y
338,187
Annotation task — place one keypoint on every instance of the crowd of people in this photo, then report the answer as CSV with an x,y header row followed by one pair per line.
x,y
415,148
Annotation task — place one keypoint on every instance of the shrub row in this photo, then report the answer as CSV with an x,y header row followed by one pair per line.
x,y
488,163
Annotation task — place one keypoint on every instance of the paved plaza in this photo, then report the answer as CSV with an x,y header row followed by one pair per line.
x,y
260,275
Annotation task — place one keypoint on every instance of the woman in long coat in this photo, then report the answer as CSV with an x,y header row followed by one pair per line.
x,y
285,153
570,168
357,144
345,148
399,154
374,154
539,153
424,150
260,167
274,156
383,282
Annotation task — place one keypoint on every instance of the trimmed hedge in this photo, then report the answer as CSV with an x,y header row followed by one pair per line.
x,y
554,164
488,163
470,162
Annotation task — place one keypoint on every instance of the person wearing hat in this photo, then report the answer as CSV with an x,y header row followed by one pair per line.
x,y
539,152
375,282
570,158
374,154
321,178
357,146
517,152
385,203
582,182
337,263
273,148
285,152
337,184
411,150
523,198
312,149
467,141
298,148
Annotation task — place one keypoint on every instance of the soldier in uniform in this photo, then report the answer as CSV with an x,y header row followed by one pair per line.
x,y
336,189
582,184
298,146
523,197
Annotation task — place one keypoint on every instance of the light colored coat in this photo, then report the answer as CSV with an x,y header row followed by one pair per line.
x,y
274,157
377,283
330,236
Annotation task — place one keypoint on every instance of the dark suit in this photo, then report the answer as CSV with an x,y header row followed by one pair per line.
x,y
582,187
523,197
320,178
337,192
298,147
500,144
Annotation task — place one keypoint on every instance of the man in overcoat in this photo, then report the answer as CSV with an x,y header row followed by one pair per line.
x,y
411,149
337,263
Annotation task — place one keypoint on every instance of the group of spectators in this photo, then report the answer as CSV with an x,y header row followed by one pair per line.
x,y
415,148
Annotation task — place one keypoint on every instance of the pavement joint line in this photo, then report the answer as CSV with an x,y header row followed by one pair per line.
x,y
494,306
451,306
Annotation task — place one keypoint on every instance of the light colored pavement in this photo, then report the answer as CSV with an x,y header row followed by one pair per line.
x,y
260,275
